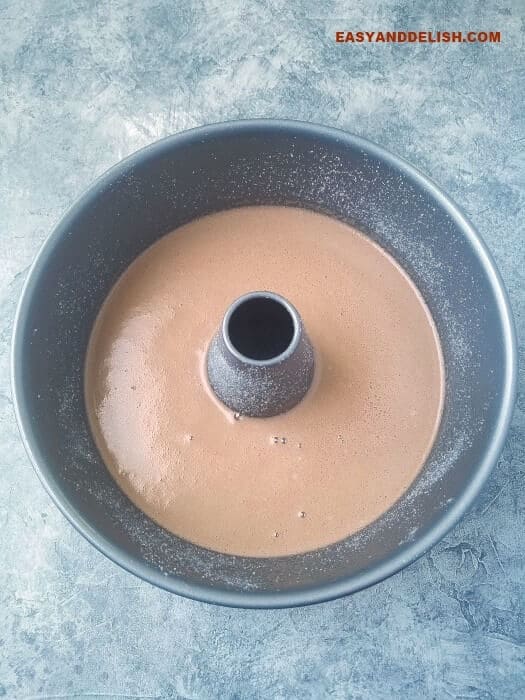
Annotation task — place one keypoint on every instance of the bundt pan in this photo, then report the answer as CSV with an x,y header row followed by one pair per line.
x,y
263,162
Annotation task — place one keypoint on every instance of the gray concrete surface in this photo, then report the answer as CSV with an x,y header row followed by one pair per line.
x,y
85,83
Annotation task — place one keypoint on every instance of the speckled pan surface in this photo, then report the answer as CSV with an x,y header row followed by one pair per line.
x,y
263,162
264,387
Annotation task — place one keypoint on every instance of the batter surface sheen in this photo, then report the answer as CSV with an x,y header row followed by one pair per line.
x,y
264,486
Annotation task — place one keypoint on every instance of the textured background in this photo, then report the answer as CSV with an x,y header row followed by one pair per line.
x,y
85,83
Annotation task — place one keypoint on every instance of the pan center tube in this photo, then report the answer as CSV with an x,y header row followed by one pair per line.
x,y
260,362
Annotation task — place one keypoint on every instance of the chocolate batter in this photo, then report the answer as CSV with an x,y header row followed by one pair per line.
x,y
265,486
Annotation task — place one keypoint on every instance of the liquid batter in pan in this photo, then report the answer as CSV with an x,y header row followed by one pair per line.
x,y
265,486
